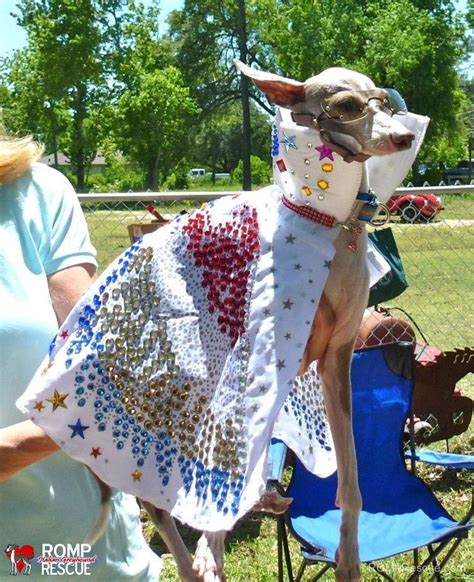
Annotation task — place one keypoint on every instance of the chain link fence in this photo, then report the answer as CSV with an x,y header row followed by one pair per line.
x,y
436,249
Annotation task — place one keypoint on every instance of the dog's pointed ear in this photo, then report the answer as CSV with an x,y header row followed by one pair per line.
x,y
279,90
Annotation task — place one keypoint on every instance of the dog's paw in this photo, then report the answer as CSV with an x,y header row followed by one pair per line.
x,y
348,569
208,565
272,502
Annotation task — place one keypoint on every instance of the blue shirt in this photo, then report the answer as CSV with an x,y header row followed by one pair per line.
x,y
55,501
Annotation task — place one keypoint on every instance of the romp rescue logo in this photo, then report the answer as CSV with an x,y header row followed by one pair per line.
x,y
55,560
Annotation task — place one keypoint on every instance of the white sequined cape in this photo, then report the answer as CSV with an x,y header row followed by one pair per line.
x,y
167,377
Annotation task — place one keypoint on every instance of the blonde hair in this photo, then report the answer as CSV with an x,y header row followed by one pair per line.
x,y
16,156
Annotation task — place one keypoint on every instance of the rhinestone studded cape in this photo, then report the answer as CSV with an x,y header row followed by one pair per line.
x,y
169,374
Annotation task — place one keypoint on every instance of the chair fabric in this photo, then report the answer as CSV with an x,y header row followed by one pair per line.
x,y
399,511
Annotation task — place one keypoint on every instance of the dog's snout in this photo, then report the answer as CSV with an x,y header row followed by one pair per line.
x,y
403,141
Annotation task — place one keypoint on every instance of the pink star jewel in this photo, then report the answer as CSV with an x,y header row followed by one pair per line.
x,y
324,152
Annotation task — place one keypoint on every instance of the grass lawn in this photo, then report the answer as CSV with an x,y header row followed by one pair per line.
x,y
438,263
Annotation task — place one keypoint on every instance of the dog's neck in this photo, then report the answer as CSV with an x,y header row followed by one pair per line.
x,y
311,173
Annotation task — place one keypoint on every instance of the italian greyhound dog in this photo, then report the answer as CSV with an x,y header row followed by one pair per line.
x,y
355,119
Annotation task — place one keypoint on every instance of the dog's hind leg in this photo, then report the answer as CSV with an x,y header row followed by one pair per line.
x,y
169,533
208,562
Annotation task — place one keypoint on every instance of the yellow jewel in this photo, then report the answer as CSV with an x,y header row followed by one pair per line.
x,y
323,185
306,191
327,167
137,475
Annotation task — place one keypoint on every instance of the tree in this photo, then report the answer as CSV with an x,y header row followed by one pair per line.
x,y
412,45
208,36
64,67
152,122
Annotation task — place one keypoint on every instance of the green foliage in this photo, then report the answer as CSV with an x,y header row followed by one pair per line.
x,y
178,179
61,67
261,171
117,179
217,143
152,120
99,74
413,46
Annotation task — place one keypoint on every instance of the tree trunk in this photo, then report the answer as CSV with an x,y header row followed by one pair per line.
x,y
152,174
78,147
244,88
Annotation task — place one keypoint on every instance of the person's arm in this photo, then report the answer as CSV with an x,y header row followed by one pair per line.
x,y
24,443
67,286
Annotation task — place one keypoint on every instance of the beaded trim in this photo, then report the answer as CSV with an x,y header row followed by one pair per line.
x,y
310,213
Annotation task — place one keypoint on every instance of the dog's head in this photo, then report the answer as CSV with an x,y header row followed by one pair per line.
x,y
342,104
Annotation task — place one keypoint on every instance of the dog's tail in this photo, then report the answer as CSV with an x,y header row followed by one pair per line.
x,y
104,512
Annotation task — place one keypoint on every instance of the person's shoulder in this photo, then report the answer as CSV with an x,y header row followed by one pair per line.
x,y
48,178
51,187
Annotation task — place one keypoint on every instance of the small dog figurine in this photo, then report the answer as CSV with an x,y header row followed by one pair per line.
x,y
174,367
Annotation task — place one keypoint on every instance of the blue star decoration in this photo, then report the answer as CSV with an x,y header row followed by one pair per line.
x,y
289,142
78,429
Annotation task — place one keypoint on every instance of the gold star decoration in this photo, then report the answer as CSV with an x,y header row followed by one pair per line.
x,y
46,368
57,400
137,475
39,405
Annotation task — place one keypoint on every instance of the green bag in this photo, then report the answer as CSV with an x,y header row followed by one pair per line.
x,y
394,282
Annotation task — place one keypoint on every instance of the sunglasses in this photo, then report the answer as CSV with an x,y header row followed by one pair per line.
x,y
348,106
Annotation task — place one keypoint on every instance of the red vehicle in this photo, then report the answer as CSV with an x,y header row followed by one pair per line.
x,y
412,207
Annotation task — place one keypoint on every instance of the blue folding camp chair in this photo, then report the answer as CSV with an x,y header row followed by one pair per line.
x,y
400,513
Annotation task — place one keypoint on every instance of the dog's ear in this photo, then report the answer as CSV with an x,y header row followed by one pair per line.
x,y
279,90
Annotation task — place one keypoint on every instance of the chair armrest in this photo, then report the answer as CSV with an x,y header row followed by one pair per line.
x,y
276,460
448,460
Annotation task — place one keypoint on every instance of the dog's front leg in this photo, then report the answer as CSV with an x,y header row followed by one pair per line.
x,y
334,370
208,562
169,533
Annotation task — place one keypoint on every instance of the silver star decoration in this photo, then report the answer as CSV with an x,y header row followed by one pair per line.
x,y
290,239
289,142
